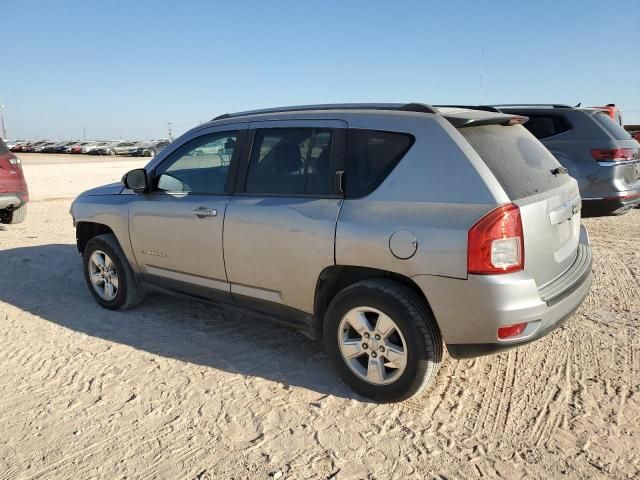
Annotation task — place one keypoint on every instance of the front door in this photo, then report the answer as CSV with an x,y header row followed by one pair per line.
x,y
176,228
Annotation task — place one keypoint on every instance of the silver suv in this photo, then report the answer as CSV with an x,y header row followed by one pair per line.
x,y
384,229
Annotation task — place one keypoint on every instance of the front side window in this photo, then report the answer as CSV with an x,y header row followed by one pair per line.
x,y
200,167
291,161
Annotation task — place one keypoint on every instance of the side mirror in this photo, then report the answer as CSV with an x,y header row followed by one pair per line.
x,y
136,180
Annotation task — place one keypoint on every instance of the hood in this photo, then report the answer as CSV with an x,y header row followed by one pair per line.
x,y
111,189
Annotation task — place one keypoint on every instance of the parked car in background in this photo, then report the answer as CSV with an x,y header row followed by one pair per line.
x,y
61,147
634,131
152,148
125,148
43,147
94,146
344,221
105,148
613,112
75,147
597,152
14,193
17,146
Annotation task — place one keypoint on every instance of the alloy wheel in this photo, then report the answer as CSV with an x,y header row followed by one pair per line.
x,y
372,345
103,275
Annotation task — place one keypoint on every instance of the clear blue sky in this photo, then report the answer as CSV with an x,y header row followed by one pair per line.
x,y
126,68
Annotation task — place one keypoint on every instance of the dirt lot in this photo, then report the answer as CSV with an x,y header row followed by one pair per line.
x,y
179,389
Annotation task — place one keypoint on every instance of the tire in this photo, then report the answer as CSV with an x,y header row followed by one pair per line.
x,y
128,293
416,329
112,152
14,216
151,153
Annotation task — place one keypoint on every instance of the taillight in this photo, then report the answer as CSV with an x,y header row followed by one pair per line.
x,y
496,242
613,154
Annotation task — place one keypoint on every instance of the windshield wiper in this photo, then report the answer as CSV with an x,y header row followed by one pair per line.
x,y
559,170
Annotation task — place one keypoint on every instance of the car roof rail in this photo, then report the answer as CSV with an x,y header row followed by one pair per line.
x,y
535,105
486,108
403,107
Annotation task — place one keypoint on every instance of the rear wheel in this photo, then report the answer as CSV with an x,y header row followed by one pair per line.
x,y
382,340
112,152
151,153
108,274
17,215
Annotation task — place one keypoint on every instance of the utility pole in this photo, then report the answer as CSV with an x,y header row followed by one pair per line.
x,y
3,130
481,73
170,134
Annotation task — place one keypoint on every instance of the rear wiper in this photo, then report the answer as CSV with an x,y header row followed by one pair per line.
x,y
559,170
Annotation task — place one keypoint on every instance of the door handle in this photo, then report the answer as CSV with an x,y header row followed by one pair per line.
x,y
203,212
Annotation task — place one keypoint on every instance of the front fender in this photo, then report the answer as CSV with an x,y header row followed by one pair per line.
x,y
111,211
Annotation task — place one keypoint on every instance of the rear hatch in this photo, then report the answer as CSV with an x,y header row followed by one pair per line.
x,y
547,196
625,154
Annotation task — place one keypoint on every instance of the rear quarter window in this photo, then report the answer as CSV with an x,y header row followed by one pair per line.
x,y
520,163
611,127
371,156
545,126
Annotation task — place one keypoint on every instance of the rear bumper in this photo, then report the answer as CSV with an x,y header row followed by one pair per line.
x,y
11,200
469,312
597,207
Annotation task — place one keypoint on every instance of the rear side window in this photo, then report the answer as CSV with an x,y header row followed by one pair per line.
x,y
291,161
3,148
612,128
520,163
544,126
371,156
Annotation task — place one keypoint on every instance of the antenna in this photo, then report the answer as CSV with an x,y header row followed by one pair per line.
x,y
170,134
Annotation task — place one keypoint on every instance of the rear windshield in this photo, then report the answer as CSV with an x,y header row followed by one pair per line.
x,y
3,148
612,128
520,163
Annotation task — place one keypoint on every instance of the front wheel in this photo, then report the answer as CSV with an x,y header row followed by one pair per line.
x,y
382,340
108,275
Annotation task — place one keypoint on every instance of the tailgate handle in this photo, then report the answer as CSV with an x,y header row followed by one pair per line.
x,y
566,211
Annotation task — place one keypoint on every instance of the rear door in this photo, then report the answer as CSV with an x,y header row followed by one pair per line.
x,y
549,200
280,225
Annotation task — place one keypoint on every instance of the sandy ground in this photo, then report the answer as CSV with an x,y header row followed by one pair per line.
x,y
180,389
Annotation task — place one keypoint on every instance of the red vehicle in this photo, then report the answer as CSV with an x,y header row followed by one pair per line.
x,y
613,112
14,194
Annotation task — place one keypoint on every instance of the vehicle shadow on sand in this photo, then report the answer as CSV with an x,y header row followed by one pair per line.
x,y
47,281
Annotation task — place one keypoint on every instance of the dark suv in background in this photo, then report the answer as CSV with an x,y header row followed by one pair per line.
x,y
596,150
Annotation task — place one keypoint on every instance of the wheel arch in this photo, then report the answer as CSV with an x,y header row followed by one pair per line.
x,y
85,231
335,278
